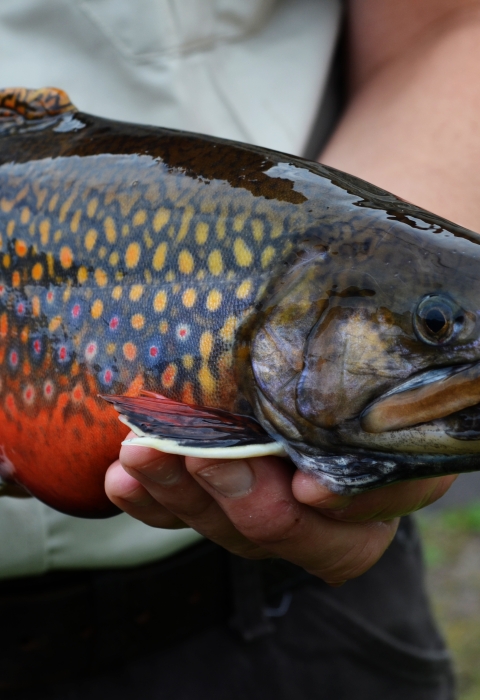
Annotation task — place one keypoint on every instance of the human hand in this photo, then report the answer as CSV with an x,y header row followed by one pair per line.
x,y
255,509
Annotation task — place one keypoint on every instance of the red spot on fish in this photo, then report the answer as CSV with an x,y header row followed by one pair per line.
x,y
183,332
91,351
168,376
48,389
153,351
14,358
29,394
50,296
113,323
37,347
20,308
108,376
76,311
62,353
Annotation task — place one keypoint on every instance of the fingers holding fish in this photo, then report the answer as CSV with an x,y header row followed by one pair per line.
x,y
130,496
256,495
380,504
175,497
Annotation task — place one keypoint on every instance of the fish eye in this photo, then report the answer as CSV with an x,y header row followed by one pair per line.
x,y
437,319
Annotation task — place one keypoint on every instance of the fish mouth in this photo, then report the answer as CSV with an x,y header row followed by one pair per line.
x,y
451,393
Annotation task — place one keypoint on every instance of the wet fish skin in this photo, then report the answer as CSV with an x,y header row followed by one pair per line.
x,y
220,275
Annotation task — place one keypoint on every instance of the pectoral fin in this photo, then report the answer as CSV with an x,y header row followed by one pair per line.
x,y
178,428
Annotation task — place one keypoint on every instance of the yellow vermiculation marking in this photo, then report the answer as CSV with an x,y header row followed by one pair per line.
x,y
227,332
214,300
187,393
206,344
75,222
176,288
90,239
117,292
147,239
21,248
188,361
44,229
201,232
101,277
221,223
102,252
215,262
244,289
67,294
53,202
82,274
139,217
163,326
132,255
66,257
189,297
207,380
148,276
161,218
24,335
111,348
257,229
6,261
40,194
10,228
243,254
159,257
25,215
50,264
170,276
97,308
200,275
186,219
127,201
137,321
57,236
114,258
185,262
277,227
208,206
31,228
136,292
110,229
54,323
16,279
6,205
267,255
125,230
37,272
92,207
160,301
239,222
36,307
65,208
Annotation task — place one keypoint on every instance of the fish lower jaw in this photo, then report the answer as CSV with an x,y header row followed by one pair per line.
x,y
424,439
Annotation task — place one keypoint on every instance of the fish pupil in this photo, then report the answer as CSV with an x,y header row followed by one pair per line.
x,y
435,321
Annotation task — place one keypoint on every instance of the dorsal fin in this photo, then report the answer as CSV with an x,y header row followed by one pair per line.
x,y
24,106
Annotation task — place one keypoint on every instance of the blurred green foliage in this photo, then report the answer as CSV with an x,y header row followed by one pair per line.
x,y
451,540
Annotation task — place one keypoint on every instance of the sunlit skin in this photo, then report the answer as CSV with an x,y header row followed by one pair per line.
x,y
412,127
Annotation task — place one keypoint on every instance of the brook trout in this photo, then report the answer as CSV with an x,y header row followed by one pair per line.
x,y
226,299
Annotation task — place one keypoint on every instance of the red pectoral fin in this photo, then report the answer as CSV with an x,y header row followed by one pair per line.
x,y
189,426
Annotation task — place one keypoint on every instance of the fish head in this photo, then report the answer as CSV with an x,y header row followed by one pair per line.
x,y
365,355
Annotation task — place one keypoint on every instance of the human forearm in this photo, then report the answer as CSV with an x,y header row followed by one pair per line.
x,y
412,124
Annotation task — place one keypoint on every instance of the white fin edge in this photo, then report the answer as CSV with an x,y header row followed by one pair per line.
x,y
173,448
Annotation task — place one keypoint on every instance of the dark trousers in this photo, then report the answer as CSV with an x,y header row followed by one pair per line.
x,y
266,633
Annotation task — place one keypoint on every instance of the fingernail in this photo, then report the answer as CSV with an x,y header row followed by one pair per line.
x,y
333,502
231,479
166,472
